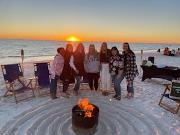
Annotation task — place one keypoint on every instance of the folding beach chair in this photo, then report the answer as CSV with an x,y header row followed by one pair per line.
x,y
13,73
42,75
172,92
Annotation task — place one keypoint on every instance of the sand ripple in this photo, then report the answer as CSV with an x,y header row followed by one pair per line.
x,y
116,118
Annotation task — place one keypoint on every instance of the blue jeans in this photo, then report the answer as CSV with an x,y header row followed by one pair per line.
x,y
53,85
78,82
130,87
117,83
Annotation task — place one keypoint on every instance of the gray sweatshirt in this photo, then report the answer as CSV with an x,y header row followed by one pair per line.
x,y
92,63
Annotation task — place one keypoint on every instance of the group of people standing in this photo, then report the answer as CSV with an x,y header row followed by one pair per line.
x,y
109,65
172,52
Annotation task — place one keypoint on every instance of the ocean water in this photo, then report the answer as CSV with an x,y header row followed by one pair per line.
x,y
36,50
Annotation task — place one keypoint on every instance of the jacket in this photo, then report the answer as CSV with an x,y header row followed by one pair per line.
x,y
57,66
130,67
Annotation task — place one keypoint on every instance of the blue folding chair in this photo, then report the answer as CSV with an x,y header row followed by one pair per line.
x,y
42,75
12,73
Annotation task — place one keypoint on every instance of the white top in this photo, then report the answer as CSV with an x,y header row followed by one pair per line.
x,y
71,63
57,66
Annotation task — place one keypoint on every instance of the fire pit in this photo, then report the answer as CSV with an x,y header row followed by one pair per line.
x,y
85,115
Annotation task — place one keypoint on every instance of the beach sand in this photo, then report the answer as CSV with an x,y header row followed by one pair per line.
x,y
141,115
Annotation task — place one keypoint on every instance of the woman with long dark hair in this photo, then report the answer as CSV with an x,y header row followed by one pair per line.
x,y
117,71
104,72
92,67
130,68
67,75
77,63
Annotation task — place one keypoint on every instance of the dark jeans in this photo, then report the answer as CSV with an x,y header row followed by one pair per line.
x,y
65,85
53,85
93,80
117,83
130,87
77,83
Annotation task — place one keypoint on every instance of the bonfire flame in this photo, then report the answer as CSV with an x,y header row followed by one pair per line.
x,y
86,106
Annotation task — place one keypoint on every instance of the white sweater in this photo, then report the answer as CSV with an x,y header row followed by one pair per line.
x,y
57,66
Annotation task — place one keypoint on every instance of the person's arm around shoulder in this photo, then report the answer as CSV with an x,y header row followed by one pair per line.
x,y
121,62
71,63
61,63
85,63
121,66
98,60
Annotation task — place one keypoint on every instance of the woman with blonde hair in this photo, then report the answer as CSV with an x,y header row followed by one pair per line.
x,y
92,67
104,72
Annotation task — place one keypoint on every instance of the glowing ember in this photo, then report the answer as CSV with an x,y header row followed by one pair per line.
x,y
86,106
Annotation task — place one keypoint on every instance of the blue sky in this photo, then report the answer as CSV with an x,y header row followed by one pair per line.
x,y
138,20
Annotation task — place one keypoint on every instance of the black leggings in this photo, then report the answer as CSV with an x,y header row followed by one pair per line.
x,y
65,85
93,80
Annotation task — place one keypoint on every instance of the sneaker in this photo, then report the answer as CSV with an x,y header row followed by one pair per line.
x,y
53,96
118,97
115,96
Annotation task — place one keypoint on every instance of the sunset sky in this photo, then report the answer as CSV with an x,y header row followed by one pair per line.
x,y
91,20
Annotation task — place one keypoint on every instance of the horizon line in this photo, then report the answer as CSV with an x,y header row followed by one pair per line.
x,y
33,39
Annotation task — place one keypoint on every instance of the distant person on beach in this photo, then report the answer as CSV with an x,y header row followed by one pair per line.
x,y
22,55
178,52
92,67
77,63
167,51
104,72
56,70
117,71
130,68
67,75
172,52
159,50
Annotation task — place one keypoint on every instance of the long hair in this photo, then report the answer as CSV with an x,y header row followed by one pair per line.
x,y
104,44
61,50
67,52
115,48
94,51
129,49
80,47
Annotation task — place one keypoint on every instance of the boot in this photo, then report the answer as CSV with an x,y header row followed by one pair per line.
x,y
53,95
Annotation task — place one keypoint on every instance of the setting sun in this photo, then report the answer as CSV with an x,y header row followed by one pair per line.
x,y
72,39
